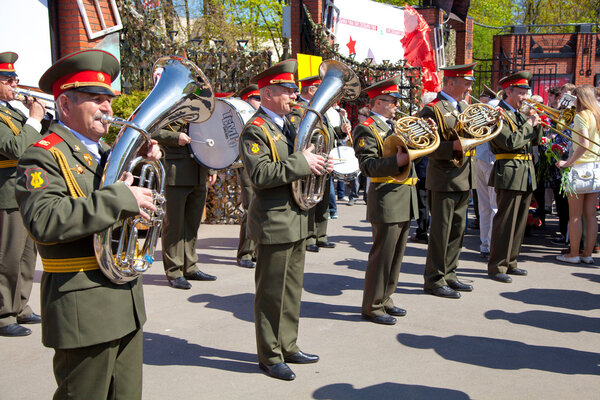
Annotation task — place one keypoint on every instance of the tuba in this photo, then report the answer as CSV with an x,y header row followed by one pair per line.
x,y
417,135
480,123
182,93
337,81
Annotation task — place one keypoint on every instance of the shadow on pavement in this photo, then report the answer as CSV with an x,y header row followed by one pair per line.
x,y
570,299
589,277
550,320
242,307
506,354
168,350
388,390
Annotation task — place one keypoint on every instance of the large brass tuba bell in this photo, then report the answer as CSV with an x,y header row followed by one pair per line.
x,y
417,135
182,93
337,81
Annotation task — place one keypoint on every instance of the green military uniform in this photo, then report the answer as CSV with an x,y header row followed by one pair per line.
x,y
246,245
317,215
390,207
513,177
17,259
448,192
185,194
94,325
279,227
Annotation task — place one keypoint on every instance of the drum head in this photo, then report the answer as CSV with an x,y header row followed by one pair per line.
x,y
345,162
215,141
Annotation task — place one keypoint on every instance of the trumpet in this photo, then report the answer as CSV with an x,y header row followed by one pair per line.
x,y
562,118
22,94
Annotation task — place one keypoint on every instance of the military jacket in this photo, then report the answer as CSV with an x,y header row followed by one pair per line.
x,y
12,146
387,202
442,174
181,168
273,215
517,137
78,308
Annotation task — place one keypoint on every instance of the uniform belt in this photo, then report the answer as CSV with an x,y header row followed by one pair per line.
x,y
513,156
471,153
8,163
391,179
61,265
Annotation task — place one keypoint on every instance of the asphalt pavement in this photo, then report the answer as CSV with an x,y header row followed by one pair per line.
x,y
535,338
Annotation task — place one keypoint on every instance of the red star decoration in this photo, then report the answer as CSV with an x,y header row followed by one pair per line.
x,y
351,45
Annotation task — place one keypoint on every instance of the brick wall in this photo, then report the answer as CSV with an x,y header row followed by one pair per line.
x,y
572,55
71,30
315,7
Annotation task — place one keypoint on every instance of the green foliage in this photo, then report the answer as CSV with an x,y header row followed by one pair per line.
x,y
123,106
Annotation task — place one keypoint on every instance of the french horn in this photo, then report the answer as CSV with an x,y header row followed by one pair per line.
x,y
181,93
480,123
417,135
337,81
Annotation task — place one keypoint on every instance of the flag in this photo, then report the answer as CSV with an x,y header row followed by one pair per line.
x,y
417,48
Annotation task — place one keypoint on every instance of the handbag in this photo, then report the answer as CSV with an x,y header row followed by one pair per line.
x,y
585,178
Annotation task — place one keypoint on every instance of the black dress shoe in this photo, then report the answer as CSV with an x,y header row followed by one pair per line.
x,y
30,319
14,330
517,271
384,319
180,283
419,239
461,287
246,263
327,245
200,276
444,291
396,311
301,358
500,277
312,247
279,371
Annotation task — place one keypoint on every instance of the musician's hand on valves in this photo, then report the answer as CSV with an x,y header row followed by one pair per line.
x,y
329,165
401,156
143,196
315,162
184,139
37,108
534,119
151,152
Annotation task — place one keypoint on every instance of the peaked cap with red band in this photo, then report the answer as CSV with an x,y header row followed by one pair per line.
x,y
520,79
7,63
460,71
90,71
249,91
314,80
388,86
282,74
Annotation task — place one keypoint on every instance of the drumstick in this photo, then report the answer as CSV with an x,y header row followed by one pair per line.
x,y
208,142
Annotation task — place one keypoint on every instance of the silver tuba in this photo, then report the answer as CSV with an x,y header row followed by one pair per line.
x,y
337,81
182,93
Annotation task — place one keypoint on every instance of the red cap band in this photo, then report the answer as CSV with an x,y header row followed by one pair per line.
x,y
515,82
250,94
382,90
7,67
81,79
310,82
285,77
458,73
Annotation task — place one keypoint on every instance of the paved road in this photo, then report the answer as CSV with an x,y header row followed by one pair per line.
x,y
538,337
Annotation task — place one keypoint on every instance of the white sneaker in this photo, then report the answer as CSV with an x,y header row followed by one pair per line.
x,y
570,260
345,198
587,260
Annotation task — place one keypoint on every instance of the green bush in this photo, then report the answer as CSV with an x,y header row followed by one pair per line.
x,y
123,106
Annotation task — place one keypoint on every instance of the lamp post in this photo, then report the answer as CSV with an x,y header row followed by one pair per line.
x,y
242,43
172,34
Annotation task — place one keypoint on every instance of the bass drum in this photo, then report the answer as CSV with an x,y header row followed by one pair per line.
x,y
215,141
345,163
